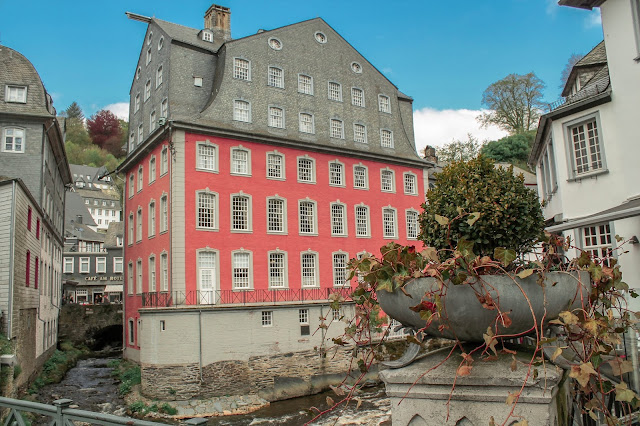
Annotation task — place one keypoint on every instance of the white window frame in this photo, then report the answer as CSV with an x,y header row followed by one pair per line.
x,y
249,213
313,169
365,138
152,121
164,160
132,184
367,218
151,221
215,276
302,125
357,100
164,108
385,235
316,269
164,271
151,274
280,155
407,190
344,221
148,61
147,90
386,138
234,170
215,210
384,103
130,229
139,224
140,134
569,139
393,180
274,120
547,170
139,273
336,128
213,163
130,283
20,91
285,269
249,255
84,265
303,316
284,230
152,169
136,107
101,265
5,135
600,250
409,222
366,176
302,86
68,266
336,274
275,77
242,111
164,213
314,217
340,174
334,91
159,76
140,184
239,72
267,318
118,265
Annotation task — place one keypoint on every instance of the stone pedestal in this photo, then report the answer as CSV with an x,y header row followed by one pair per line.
x,y
418,400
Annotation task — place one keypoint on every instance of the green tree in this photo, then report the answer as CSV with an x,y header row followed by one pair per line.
x,y
515,103
513,149
74,111
458,150
77,133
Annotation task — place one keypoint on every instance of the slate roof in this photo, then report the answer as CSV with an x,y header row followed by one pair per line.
x,y
74,206
594,61
81,231
116,229
16,69
187,35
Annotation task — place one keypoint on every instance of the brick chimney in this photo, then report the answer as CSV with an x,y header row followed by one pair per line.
x,y
218,19
429,154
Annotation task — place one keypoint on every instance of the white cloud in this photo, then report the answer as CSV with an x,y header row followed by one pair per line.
x,y
593,19
120,109
552,7
438,127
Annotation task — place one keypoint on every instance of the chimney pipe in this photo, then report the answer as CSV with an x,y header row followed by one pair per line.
x,y
218,19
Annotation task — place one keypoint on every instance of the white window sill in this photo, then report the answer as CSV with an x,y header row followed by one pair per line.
x,y
589,175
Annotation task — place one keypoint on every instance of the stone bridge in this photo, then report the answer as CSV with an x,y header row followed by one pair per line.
x,y
96,326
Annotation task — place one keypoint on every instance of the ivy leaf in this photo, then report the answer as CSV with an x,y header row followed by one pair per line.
x,y
584,259
619,238
623,393
582,373
489,340
466,249
504,256
441,220
620,366
556,354
386,284
330,401
526,273
591,326
430,253
568,318
464,370
522,422
511,398
473,218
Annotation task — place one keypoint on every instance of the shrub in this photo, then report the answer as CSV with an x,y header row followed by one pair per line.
x,y
510,213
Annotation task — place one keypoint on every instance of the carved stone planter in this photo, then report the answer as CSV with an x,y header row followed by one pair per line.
x,y
466,319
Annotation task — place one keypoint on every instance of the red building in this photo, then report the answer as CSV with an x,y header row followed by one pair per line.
x,y
257,168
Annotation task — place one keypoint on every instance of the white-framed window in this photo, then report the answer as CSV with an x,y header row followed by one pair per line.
x,y
164,108
138,72
387,180
207,36
137,103
241,111
276,117
359,133
152,219
241,269
130,278
384,103
139,276
207,153
118,265
101,265
306,169
357,97
140,178
303,316
85,265
340,274
276,215
132,141
241,213
410,183
139,225
164,160
336,173
363,228
336,314
276,77
596,240
267,318
335,91
356,67
130,228
152,169
207,212
389,222
208,275
275,43
309,269
240,161
275,165
164,272
336,128
160,42
320,37
306,123
140,134
159,77
147,90
16,94
547,171
308,217
338,219
164,214
148,56
586,148
278,269
360,176
152,121
386,138
152,274
68,265
132,187
305,84
241,69
412,224
13,139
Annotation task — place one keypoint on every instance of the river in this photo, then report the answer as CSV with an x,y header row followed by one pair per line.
x,y
91,387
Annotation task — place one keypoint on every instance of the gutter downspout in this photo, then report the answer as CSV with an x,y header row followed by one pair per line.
x,y
200,343
11,262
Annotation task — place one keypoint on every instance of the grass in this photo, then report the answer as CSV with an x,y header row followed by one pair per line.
x,y
56,366
141,408
127,373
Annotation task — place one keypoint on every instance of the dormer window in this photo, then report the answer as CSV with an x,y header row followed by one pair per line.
x,y
16,94
207,36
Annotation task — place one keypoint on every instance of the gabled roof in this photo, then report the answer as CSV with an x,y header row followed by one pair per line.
x,y
116,229
187,35
74,206
593,61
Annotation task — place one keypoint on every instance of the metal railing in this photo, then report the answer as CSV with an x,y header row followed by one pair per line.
x,y
599,87
239,297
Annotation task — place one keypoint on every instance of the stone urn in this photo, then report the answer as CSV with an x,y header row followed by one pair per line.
x,y
464,317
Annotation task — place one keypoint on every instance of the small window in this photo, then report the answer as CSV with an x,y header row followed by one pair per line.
x,y
148,56
164,272
338,219
389,223
13,140
164,161
197,81
140,134
118,265
164,107
162,325
152,121
27,277
306,123
306,170
309,269
131,185
412,224
29,218
130,278
241,213
384,104
138,72
276,77
159,77
362,221
207,157
267,318
37,228
152,169
357,97
597,242
336,129
360,177
275,165
147,90
305,84
336,173
139,225
16,94
164,214
240,161
161,43
303,316
356,67
241,69
410,184
276,215
386,138
137,103
207,217
307,217
276,117
68,265
387,180
359,133
241,273
85,265
152,274
320,37
207,36
101,265
277,269
241,111
140,178
139,276
152,219
275,44
130,228
149,37
335,91
340,269
587,153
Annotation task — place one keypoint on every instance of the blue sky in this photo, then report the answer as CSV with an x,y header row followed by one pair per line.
x,y
442,53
